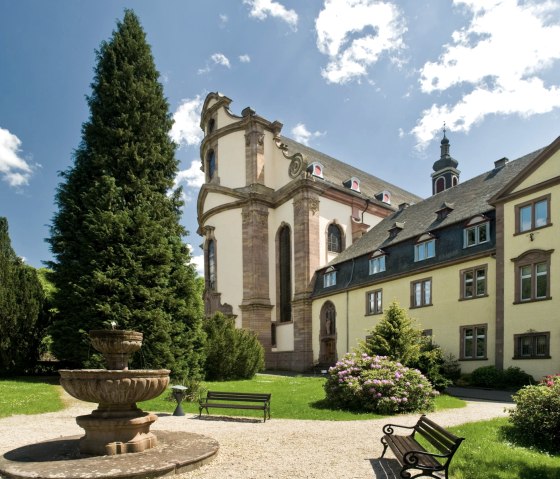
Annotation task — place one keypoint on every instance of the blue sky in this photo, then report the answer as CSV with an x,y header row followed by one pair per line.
x,y
368,82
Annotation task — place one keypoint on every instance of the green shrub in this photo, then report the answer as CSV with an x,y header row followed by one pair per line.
x,y
486,376
430,362
451,368
377,384
536,417
489,376
231,353
516,377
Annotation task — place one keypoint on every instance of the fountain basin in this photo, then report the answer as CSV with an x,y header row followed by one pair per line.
x,y
116,345
118,387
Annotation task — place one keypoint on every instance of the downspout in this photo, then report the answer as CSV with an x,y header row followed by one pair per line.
x,y
347,308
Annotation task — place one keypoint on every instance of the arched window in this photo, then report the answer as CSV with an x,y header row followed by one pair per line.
x,y
440,185
211,262
211,125
454,181
211,164
285,273
334,239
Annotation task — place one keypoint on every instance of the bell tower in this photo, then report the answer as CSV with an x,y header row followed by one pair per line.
x,y
446,174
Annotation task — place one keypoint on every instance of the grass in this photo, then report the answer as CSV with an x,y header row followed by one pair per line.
x,y
293,397
28,396
486,448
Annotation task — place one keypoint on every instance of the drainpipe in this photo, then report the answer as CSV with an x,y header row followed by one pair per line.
x,y
347,308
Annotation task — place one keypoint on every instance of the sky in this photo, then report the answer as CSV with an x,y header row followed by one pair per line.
x,y
369,82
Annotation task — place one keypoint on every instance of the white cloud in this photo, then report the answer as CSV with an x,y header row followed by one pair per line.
x,y
186,127
223,19
215,59
244,58
15,170
261,9
303,135
193,177
355,33
197,260
498,63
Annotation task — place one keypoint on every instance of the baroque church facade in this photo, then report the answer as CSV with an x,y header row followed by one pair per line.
x,y
308,251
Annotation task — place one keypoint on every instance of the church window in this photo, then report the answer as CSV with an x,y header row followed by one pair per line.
x,y
211,254
211,164
285,273
334,239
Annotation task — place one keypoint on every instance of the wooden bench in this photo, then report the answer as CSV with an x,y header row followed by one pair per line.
x,y
235,401
411,455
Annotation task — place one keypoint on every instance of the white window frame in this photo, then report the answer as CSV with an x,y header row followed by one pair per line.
x,y
477,234
425,250
377,264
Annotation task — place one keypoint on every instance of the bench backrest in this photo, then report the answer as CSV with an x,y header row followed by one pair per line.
x,y
229,396
444,441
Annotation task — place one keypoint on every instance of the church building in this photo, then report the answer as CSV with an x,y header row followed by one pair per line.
x,y
308,251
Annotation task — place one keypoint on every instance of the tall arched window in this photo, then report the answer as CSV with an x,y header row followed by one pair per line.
x,y
211,255
211,164
285,273
334,239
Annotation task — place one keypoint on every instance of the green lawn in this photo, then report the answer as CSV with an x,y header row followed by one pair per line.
x,y
293,397
486,453
28,396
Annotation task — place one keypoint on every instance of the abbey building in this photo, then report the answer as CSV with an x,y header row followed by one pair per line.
x,y
307,251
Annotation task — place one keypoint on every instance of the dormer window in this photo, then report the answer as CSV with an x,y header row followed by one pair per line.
x,y
377,262
315,169
352,183
477,231
444,210
425,248
329,278
384,196
395,229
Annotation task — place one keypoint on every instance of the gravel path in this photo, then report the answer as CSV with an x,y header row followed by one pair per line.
x,y
279,448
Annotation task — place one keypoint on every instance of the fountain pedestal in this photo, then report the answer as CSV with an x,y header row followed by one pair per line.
x,y
117,426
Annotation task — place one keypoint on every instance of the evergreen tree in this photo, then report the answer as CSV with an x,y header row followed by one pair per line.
x,y
21,309
395,336
116,237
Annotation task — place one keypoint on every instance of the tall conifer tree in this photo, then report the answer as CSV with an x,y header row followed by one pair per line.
x,y
116,236
21,309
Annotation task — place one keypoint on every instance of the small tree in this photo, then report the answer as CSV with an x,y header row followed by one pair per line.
x,y
231,353
22,321
395,337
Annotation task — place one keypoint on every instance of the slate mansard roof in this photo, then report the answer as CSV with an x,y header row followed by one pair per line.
x,y
336,172
467,199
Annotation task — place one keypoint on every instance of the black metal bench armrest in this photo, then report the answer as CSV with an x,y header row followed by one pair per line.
x,y
388,428
411,457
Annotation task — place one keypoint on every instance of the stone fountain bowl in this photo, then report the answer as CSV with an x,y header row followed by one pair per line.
x,y
116,341
114,387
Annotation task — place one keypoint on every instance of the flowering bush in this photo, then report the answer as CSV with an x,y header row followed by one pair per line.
x,y
375,383
536,418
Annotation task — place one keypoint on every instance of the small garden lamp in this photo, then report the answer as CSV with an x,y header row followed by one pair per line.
x,y
179,393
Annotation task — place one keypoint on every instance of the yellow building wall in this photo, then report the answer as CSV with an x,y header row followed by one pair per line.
x,y
445,317
231,160
214,200
229,264
224,118
329,211
536,316
276,167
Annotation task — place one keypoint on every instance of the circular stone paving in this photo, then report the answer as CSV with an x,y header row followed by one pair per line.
x,y
176,453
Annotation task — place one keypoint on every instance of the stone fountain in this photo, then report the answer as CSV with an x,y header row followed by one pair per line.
x,y
117,426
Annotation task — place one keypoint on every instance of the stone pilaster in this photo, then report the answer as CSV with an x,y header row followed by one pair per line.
x,y
254,154
256,307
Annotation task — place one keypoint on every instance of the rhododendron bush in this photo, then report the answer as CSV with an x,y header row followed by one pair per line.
x,y
375,383
536,417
